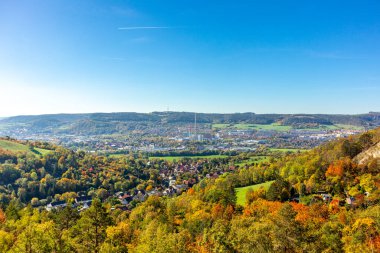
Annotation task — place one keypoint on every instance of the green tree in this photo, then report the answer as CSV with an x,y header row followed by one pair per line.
x,y
118,238
278,190
12,211
287,232
90,230
6,240
331,234
34,233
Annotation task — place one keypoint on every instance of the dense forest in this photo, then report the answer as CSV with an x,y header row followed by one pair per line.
x,y
322,200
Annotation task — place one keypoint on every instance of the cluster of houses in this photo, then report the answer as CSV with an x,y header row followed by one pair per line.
x,y
81,203
349,200
173,183
175,180
141,195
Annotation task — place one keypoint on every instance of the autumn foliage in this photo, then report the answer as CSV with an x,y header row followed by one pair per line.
x,y
335,170
2,216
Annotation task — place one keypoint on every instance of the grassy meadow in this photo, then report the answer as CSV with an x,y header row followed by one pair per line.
x,y
242,191
253,159
18,147
291,150
282,128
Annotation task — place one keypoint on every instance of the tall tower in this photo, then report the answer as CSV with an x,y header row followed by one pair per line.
x,y
195,126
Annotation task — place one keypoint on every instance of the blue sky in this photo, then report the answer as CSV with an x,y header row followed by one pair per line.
x,y
71,56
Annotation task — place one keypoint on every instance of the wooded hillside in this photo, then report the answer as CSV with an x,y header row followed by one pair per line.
x,y
320,201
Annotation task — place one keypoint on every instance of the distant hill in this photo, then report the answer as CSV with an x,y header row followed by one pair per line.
x,y
108,123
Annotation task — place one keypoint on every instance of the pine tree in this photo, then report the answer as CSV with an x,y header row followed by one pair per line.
x,y
90,231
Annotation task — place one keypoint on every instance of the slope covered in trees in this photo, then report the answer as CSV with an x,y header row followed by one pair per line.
x,y
109,123
60,174
320,201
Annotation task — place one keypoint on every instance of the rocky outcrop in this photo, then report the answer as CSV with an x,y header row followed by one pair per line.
x,y
372,152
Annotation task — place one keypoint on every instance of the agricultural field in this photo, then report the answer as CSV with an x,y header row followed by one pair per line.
x,y
334,127
350,127
13,146
42,151
291,150
270,127
18,147
118,155
252,160
221,126
283,128
275,127
242,191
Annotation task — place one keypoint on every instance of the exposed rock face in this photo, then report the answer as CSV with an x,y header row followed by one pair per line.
x,y
372,152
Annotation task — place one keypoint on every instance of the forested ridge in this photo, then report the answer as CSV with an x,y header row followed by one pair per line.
x,y
188,117
322,200
124,122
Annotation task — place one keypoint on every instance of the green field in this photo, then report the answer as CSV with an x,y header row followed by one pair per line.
x,y
118,155
253,159
281,128
291,150
171,158
333,127
13,146
242,191
275,127
222,126
351,127
17,147
42,151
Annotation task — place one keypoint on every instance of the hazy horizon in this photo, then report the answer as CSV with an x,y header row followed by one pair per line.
x,y
224,57
196,112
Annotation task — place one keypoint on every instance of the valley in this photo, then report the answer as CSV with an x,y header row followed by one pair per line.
x,y
304,194
189,126
183,132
